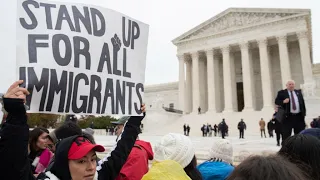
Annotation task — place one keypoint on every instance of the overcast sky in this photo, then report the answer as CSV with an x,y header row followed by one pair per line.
x,y
167,19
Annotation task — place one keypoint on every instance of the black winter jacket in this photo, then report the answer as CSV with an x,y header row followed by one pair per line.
x,y
14,135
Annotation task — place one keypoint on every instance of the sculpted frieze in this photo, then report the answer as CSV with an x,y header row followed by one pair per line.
x,y
237,19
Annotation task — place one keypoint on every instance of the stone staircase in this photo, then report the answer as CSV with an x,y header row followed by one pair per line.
x,y
161,123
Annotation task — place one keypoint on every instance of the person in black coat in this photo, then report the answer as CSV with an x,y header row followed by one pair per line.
x,y
14,163
270,127
188,130
223,128
215,128
277,128
292,102
241,127
185,129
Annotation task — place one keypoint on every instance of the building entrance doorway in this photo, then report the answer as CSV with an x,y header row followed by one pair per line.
x,y
240,96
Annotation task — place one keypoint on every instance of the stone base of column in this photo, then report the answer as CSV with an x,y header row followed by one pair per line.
x,y
228,111
211,111
248,109
268,109
195,113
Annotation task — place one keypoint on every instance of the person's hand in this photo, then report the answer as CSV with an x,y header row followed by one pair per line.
x,y
143,108
286,100
16,92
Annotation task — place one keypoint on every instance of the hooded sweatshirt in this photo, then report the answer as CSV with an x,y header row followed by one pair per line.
x,y
14,137
166,170
140,155
215,170
109,168
60,167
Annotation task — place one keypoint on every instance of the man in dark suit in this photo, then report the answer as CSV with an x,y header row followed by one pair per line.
x,y
292,102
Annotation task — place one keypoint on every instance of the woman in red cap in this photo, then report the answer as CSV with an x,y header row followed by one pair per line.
x,y
75,157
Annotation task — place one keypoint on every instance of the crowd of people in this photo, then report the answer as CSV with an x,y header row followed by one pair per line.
x,y
68,153
216,130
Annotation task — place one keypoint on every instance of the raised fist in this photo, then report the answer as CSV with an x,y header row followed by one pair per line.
x,y
116,42
16,92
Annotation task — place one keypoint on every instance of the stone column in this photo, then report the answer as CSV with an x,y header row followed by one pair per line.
x,y
265,74
228,105
247,74
188,86
211,81
216,72
305,57
195,82
181,83
284,59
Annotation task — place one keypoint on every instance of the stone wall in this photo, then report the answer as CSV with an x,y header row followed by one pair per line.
x,y
157,96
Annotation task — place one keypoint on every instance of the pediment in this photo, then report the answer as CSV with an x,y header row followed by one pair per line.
x,y
235,18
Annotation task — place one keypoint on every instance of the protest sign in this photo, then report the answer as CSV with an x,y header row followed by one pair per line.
x,y
80,59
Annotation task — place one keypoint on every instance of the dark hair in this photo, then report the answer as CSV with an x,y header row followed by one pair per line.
x,y
304,151
89,137
33,137
267,168
67,130
192,171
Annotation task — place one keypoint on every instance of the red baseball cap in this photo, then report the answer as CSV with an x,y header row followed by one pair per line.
x,y
81,147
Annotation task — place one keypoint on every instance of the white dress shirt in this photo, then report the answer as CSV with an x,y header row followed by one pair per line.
x,y
296,100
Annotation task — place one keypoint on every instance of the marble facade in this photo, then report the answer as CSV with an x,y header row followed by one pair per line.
x,y
232,67
238,60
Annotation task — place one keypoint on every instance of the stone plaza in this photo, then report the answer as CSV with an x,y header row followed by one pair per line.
x,y
242,148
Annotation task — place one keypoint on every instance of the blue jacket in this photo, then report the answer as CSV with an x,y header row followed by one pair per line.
x,y
215,170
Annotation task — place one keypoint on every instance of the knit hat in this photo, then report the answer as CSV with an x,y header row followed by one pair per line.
x,y
89,131
176,147
121,121
222,150
312,132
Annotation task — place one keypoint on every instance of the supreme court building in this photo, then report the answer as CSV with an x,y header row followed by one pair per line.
x,y
239,59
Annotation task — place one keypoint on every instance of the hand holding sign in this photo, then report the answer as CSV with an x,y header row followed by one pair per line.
x,y
16,92
143,108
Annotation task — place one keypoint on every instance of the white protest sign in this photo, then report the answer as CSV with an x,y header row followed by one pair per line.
x,y
80,59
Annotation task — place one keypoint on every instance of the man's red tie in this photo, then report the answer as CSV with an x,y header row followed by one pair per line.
x,y
294,107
